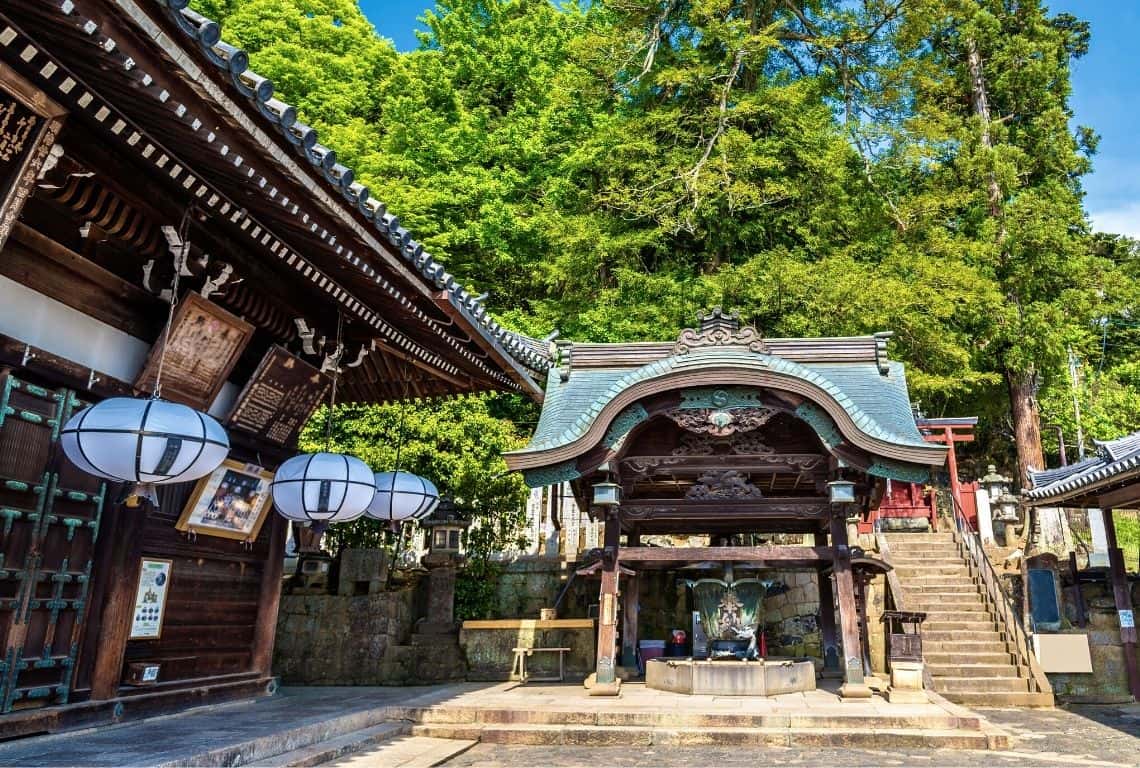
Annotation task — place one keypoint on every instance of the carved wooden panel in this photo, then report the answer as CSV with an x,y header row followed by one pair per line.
x,y
205,344
29,124
279,397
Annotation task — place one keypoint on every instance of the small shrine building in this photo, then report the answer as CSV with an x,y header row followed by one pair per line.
x,y
726,434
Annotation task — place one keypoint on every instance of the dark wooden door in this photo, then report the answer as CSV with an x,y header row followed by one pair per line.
x,y
49,521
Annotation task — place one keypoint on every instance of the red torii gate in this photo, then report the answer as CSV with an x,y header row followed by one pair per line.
x,y
912,499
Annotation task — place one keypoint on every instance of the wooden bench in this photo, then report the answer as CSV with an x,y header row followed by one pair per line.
x,y
521,655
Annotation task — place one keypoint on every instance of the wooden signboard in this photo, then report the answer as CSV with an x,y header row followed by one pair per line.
x,y
279,398
29,123
205,344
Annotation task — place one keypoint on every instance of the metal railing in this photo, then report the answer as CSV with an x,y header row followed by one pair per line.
x,y
971,545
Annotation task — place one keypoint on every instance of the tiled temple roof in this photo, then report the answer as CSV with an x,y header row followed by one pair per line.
x,y
233,63
1115,459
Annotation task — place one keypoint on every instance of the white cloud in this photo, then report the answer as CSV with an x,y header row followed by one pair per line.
x,y
1122,220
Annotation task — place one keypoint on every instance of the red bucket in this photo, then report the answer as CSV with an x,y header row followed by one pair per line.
x,y
649,649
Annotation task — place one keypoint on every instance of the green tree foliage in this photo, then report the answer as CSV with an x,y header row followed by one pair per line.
x,y
457,443
610,168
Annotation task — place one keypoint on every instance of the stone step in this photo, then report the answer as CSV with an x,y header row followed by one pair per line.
x,y
961,597
919,560
959,626
960,613
937,584
988,636
668,719
1003,699
955,646
942,658
969,667
407,752
330,749
907,572
919,538
980,684
313,732
611,736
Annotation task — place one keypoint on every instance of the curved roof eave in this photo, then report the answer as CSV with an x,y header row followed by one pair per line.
x,y
232,63
727,367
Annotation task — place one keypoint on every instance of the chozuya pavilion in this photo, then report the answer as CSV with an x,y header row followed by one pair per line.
x,y
723,433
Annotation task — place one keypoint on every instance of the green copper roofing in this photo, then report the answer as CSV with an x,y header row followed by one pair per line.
x,y
878,404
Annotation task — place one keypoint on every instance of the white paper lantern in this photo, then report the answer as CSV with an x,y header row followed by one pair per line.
x,y
402,496
329,487
146,441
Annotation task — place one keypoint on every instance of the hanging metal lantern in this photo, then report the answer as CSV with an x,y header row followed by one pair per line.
x,y
145,442
402,496
322,487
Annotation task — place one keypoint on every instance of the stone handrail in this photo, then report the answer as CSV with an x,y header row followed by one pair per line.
x,y
970,543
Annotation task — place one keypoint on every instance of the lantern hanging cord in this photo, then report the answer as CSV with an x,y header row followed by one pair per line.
x,y
335,375
403,412
179,263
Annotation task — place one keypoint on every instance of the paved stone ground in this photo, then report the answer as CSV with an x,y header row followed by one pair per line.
x,y
1082,736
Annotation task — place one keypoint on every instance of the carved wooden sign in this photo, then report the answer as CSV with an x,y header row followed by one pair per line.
x,y
205,344
29,123
279,398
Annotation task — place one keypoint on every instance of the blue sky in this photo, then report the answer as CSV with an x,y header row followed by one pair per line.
x,y
1106,96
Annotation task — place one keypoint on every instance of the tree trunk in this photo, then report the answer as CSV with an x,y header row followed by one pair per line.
x,y
980,102
1026,423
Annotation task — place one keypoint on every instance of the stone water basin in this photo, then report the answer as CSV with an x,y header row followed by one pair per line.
x,y
763,677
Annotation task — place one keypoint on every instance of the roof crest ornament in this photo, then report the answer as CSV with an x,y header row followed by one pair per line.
x,y
718,329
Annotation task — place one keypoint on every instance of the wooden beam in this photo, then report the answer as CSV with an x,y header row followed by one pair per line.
x,y
831,665
774,554
19,355
126,536
1123,598
48,267
605,675
853,686
1121,498
629,611
269,599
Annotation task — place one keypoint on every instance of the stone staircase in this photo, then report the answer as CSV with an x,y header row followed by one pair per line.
x,y
967,652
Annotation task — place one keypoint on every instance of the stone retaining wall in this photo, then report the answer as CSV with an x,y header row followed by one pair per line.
x,y
343,640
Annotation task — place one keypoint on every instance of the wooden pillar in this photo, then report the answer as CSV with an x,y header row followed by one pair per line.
x,y
269,599
853,686
606,682
831,666
1123,599
119,608
629,611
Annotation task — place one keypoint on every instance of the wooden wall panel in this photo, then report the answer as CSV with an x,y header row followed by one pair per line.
x,y
211,619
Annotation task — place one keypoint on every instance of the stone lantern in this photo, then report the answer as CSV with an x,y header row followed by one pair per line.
x,y
443,534
1003,504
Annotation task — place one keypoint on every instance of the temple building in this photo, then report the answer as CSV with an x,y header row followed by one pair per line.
x,y
143,162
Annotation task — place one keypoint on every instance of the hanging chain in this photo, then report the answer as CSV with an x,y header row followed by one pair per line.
x,y
403,413
335,375
179,262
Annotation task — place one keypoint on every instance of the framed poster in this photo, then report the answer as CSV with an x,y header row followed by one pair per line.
x,y
279,398
230,502
29,124
150,599
205,344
